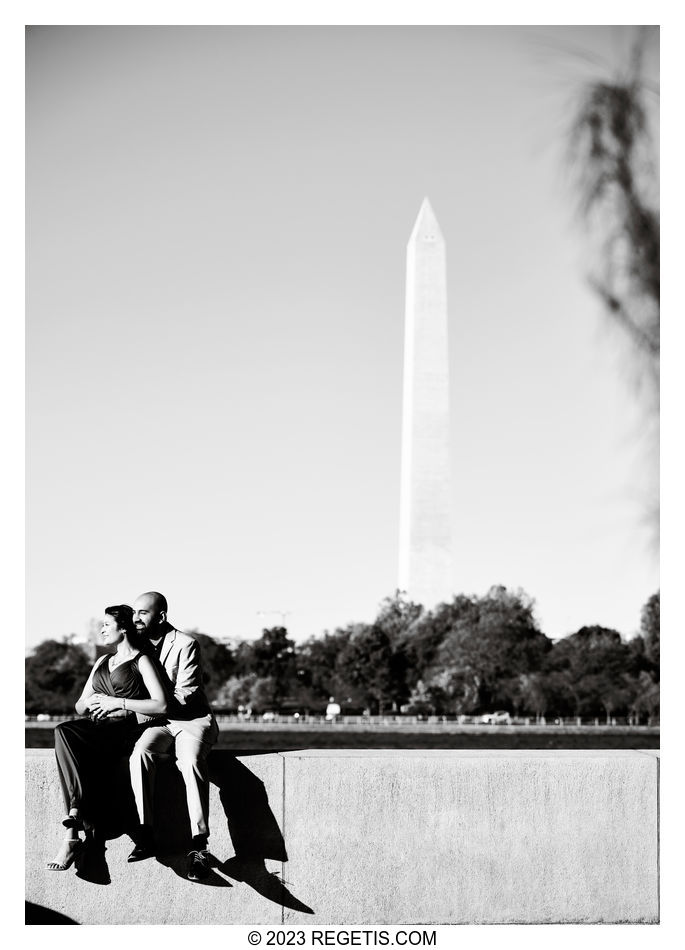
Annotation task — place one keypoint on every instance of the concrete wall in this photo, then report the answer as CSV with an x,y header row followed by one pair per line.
x,y
373,837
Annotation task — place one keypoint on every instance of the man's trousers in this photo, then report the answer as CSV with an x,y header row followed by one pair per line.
x,y
191,742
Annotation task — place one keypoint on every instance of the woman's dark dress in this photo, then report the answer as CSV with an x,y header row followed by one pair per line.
x,y
89,751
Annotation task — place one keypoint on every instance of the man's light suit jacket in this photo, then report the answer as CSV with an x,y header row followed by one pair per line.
x,y
188,705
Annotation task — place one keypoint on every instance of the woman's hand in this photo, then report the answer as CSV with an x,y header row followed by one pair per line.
x,y
100,704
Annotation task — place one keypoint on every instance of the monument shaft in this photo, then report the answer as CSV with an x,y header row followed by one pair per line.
x,y
425,568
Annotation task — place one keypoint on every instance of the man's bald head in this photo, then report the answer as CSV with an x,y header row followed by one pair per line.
x,y
155,599
149,614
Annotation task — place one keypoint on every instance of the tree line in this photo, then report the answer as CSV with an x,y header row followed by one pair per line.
x,y
472,655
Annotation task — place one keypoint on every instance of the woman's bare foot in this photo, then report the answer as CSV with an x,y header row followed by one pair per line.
x,y
66,855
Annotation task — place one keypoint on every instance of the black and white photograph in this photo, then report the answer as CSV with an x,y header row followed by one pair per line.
x,y
342,476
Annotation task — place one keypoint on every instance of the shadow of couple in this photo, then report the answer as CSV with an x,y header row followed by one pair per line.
x,y
252,826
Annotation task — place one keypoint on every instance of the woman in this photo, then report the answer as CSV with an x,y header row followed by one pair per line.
x,y
120,686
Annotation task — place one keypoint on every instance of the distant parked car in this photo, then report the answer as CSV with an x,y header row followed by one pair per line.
x,y
269,717
42,717
499,718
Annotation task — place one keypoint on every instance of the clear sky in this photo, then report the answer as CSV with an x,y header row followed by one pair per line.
x,y
217,221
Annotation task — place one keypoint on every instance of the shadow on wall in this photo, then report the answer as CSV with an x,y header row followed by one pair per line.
x,y
252,826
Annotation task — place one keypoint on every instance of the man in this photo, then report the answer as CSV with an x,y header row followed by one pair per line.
x,y
190,731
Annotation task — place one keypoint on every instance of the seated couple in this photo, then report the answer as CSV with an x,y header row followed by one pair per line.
x,y
143,701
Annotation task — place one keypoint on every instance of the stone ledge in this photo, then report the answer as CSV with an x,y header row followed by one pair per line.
x,y
376,836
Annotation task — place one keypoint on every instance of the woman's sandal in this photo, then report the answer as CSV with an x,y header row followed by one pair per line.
x,y
73,821
73,848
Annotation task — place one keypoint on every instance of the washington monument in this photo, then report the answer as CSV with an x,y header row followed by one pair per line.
x,y
425,564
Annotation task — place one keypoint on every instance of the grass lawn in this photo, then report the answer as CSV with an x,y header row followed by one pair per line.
x,y
279,739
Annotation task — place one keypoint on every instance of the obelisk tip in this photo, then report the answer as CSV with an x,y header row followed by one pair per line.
x,y
426,223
